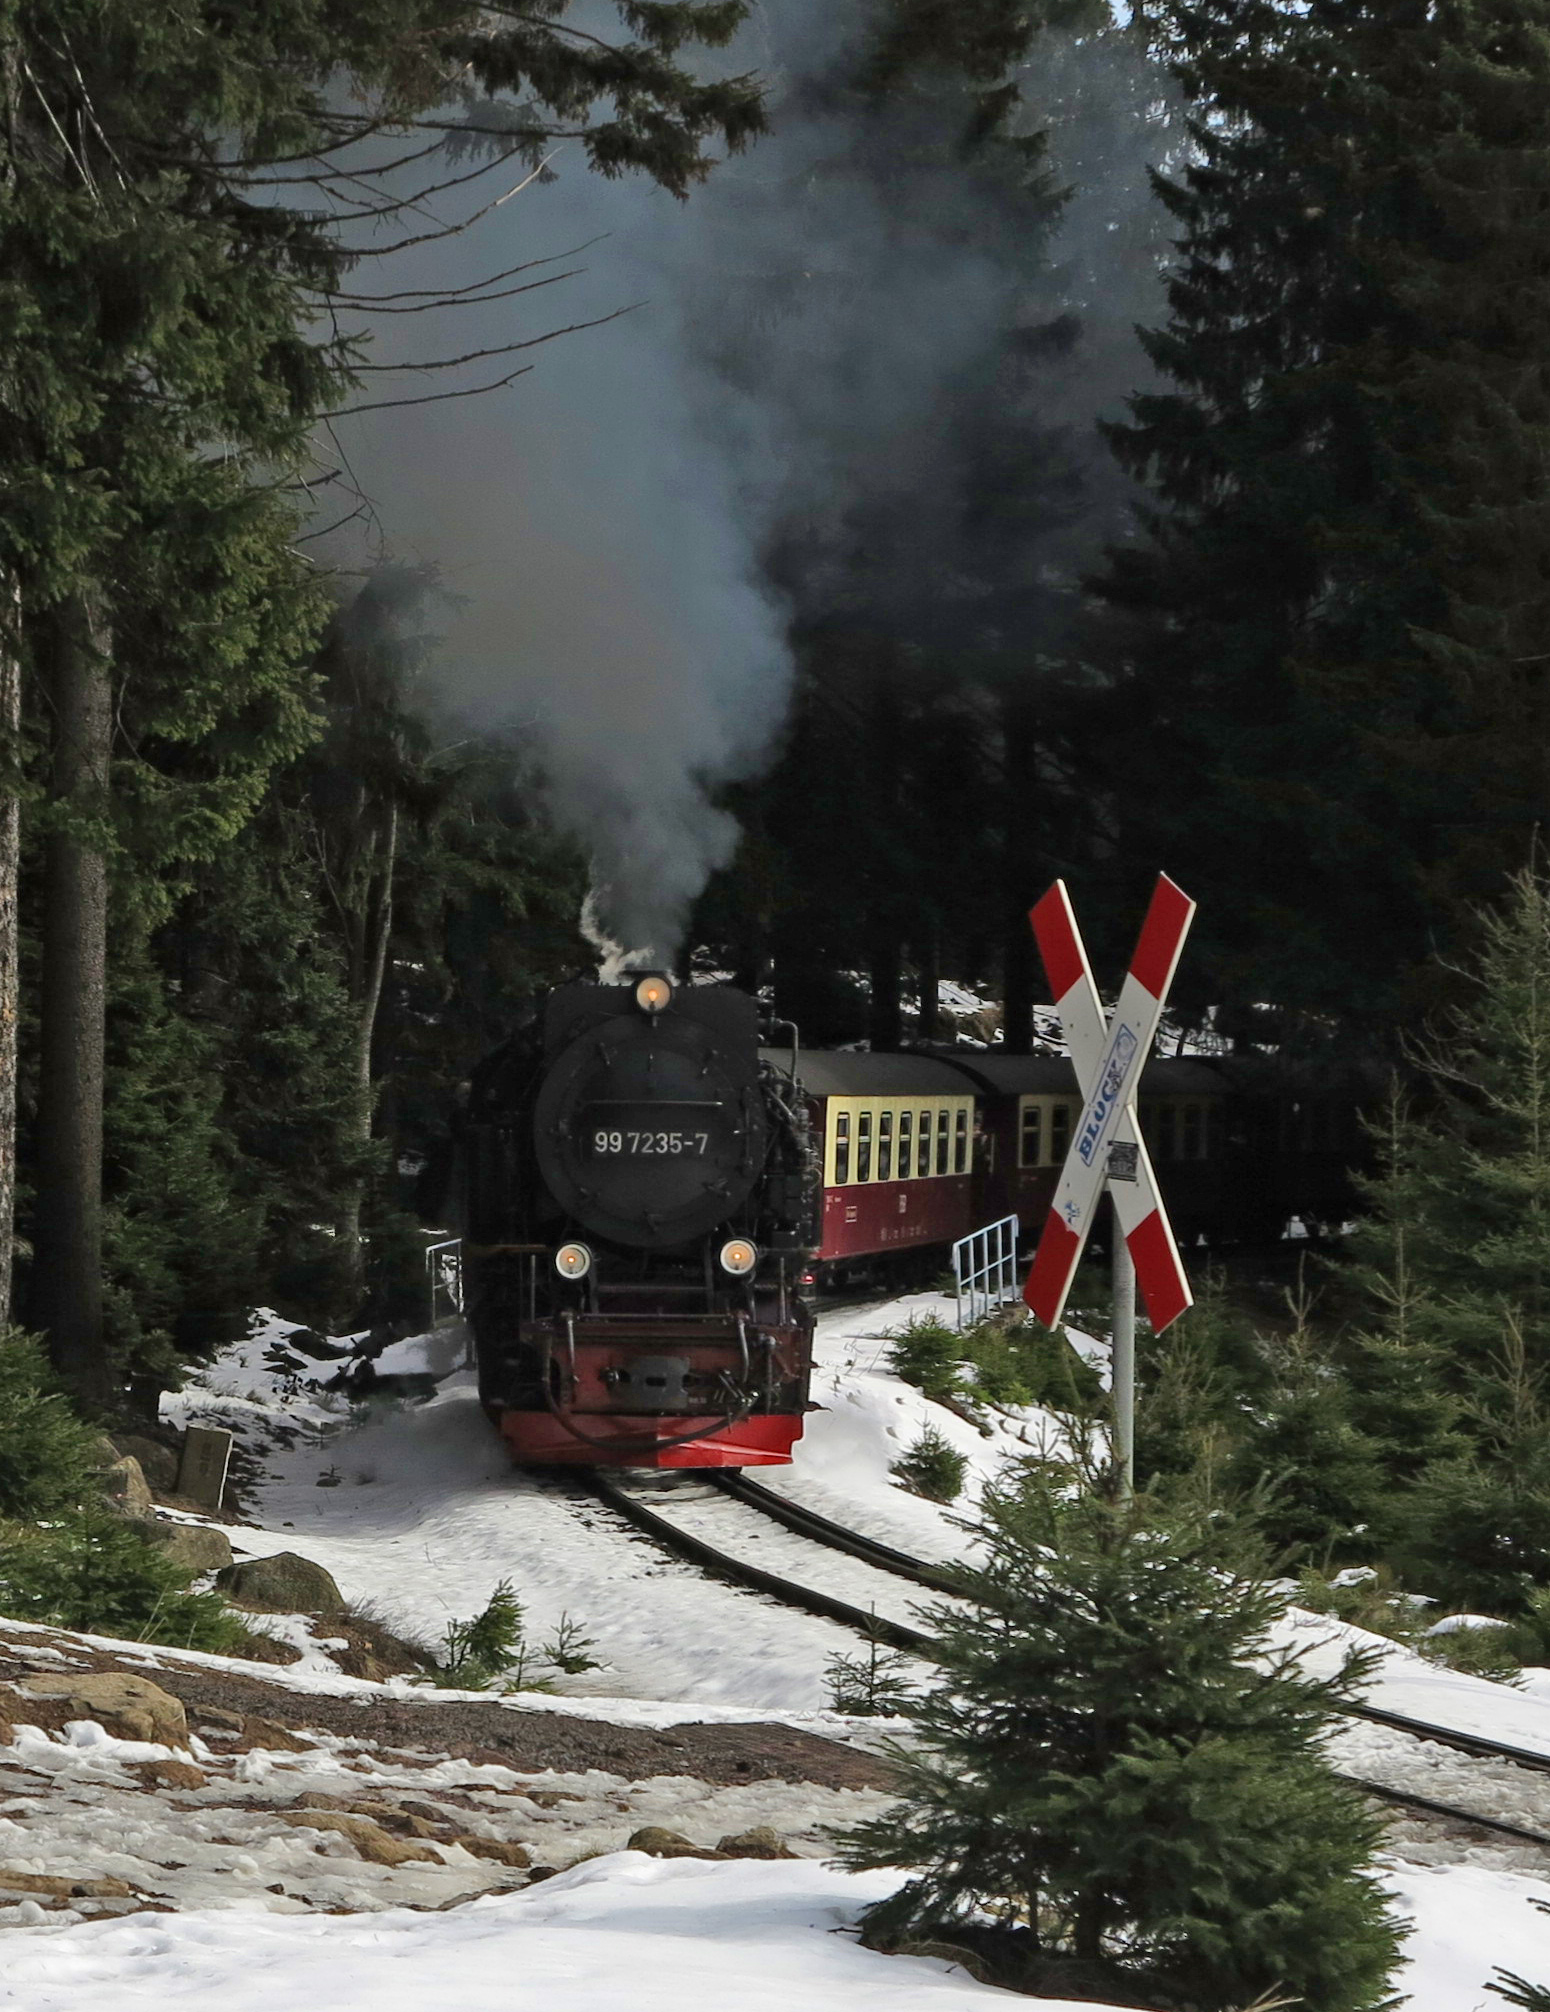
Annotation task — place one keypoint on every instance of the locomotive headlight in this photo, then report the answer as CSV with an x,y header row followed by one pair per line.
x,y
653,994
739,1257
573,1260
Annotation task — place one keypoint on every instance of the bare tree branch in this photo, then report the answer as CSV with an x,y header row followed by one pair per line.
x,y
505,348
431,398
453,293
451,230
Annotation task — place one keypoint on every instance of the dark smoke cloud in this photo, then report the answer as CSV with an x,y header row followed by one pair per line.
x,y
806,325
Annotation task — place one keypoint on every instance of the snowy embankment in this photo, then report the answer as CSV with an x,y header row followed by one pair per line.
x,y
415,1510
633,1934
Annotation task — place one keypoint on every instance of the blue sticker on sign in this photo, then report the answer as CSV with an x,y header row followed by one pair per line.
x,y
1116,1069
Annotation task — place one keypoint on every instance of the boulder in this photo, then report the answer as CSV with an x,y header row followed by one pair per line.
x,y
659,1843
127,1489
195,1546
499,1849
760,1842
7,1733
257,1732
285,1583
369,1839
130,1708
170,1774
62,1887
158,1463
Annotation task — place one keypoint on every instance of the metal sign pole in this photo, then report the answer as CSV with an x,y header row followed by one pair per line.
x,y
1124,1360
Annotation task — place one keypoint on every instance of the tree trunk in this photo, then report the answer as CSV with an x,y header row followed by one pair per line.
x,y
10,869
67,1223
1017,986
928,964
368,969
885,1025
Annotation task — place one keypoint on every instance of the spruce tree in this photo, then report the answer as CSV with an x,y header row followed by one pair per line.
x,y
1341,626
1450,1358
1119,1772
164,305
1456,1242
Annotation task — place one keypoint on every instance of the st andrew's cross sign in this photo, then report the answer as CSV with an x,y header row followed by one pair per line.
x,y
1106,1145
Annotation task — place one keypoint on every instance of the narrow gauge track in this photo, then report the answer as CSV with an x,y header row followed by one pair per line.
x,y
698,1549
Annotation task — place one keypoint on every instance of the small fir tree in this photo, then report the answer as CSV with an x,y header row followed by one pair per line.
x,y
1477,1526
1320,1478
1119,1785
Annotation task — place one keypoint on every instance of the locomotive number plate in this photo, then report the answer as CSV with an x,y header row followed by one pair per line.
x,y
665,1131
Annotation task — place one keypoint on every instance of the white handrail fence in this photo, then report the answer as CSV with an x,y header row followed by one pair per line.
x,y
444,1280
985,1270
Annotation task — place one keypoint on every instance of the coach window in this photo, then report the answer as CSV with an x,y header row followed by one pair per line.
x,y
961,1144
841,1149
864,1146
906,1143
1031,1151
1165,1128
923,1150
1059,1134
884,1145
1193,1133
941,1142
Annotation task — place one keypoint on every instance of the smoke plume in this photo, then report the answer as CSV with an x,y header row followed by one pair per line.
x,y
799,335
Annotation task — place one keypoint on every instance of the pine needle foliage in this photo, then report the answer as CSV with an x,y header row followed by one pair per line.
x,y
1121,1776
47,1454
932,1467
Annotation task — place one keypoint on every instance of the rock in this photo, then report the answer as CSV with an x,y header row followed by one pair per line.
x,y
170,1774
103,1452
158,1463
61,1887
7,1733
257,1732
257,1648
369,1839
496,1848
127,1489
212,1719
659,1843
285,1583
194,1546
760,1842
130,1708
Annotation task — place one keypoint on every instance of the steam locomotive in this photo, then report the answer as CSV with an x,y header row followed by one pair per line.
x,y
647,1192
640,1201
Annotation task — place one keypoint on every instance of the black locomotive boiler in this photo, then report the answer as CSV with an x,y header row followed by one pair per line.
x,y
640,1202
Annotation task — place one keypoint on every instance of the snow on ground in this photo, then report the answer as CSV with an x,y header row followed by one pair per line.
x,y
415,1509
223,1832
620,1934
626,1933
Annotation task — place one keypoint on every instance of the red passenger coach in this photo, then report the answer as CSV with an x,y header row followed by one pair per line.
x,y
897,1136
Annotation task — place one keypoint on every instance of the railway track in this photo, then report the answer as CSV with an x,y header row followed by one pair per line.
x,y
687,1516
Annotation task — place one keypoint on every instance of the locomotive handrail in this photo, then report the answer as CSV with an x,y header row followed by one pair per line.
x,y
985,1269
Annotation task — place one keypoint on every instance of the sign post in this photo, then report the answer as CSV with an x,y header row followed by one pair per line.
x,y
1107,1151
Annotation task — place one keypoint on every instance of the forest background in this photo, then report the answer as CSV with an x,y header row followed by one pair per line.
x,y
1259,596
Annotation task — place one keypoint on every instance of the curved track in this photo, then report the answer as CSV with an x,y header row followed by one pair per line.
x,y
654,1520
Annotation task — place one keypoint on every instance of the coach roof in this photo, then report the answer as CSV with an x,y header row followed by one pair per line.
x,y
842,1072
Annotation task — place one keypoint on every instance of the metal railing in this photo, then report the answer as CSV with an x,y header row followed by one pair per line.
x,y
985,1270
444,1280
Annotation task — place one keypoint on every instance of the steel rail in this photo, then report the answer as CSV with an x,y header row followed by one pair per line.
x,y
819,1529
709,1558
809,1523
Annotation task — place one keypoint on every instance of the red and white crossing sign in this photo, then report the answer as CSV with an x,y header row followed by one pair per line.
x,y
1108,1058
